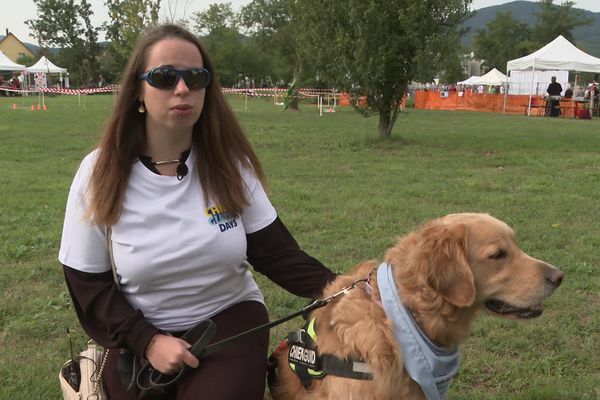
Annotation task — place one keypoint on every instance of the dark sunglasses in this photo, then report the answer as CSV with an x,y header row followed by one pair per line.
x,y
166,78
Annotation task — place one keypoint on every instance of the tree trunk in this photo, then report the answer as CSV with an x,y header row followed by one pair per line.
x,y
293,105
384,124
294,101
387,120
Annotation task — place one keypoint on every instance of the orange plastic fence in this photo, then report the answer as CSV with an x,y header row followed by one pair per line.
x,y
345,100
487,102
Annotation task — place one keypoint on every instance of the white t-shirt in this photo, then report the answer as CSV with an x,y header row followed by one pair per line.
x,y
179,260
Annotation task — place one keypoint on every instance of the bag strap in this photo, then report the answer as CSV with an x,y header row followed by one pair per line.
x,y
98,381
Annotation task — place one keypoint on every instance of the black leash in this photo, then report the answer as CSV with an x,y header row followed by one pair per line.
x,y
149,378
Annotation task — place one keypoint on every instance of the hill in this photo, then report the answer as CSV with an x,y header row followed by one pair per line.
x,y
587,37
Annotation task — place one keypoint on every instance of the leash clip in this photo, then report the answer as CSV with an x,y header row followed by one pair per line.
x,y
347,289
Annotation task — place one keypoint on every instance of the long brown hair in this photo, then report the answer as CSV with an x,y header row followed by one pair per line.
x,y
217,139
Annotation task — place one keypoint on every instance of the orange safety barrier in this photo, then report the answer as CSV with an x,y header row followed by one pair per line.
x,y
486,102
345,100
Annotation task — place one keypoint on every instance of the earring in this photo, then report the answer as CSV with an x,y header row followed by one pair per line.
x,y
141,108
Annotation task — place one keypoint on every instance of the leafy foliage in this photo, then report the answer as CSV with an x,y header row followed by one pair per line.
x,y
217,18
219,25
128,18
274,25
554,20
504,39
66,24
374,48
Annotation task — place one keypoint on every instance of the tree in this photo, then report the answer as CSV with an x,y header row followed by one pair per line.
x,y
219,24
217,18
273,25
374,48
503,39
452,68
554,20
66,24
128,18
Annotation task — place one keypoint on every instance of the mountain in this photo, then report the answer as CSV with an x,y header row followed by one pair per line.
x,y
587,37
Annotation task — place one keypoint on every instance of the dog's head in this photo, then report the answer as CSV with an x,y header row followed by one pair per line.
x,y
471,261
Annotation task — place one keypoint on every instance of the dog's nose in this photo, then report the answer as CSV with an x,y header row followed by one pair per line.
x,y
554,277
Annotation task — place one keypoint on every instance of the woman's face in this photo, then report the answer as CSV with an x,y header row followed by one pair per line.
x,y
179,108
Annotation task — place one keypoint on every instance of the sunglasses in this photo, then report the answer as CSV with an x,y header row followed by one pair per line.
x,y
166,78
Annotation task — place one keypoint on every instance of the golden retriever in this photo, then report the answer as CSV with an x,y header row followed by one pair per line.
x,y
444,272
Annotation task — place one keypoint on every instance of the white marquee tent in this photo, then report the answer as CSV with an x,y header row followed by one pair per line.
x,y
42,68
45,65
6,64
468,81
492,78
559,54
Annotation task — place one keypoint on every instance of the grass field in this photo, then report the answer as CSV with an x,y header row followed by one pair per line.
x,y
346,195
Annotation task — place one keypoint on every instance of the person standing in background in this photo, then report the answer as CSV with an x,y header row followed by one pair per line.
x,y
554,90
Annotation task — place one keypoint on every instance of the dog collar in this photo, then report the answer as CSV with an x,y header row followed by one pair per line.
x,y
432,367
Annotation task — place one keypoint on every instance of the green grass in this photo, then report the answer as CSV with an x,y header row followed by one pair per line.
x,y
346,195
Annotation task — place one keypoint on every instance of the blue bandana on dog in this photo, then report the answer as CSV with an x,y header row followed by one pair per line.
x,y
432,367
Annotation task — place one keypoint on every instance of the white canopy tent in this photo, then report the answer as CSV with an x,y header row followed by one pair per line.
x,y
6,64
469,80
559,54
45,65
492,78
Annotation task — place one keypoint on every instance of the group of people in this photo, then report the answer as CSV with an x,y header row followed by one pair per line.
x,y
163,221
555,94
14,83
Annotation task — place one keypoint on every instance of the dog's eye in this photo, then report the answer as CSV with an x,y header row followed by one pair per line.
x,y
498,255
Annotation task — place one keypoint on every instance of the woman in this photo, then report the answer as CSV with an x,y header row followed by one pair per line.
x,y
177,190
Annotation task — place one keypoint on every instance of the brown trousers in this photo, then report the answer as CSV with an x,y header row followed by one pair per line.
x,y
235,372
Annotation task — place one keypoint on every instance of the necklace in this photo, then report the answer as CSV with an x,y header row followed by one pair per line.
x,y
166,162
182,169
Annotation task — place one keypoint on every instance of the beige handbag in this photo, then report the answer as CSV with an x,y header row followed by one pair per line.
x,y
81,377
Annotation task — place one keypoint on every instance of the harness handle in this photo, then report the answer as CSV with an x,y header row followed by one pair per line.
x,y
150,378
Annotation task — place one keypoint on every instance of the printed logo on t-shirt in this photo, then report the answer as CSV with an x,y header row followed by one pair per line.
x,y
218,216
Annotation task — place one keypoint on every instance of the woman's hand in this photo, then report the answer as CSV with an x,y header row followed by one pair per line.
x,y
168,354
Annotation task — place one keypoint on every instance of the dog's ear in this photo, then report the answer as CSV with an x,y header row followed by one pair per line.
x,y
447,269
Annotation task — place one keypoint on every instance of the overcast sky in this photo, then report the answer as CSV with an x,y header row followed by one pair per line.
x,y
14,14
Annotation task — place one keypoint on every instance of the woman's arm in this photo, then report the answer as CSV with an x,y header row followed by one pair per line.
x,y
273,252
105,314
